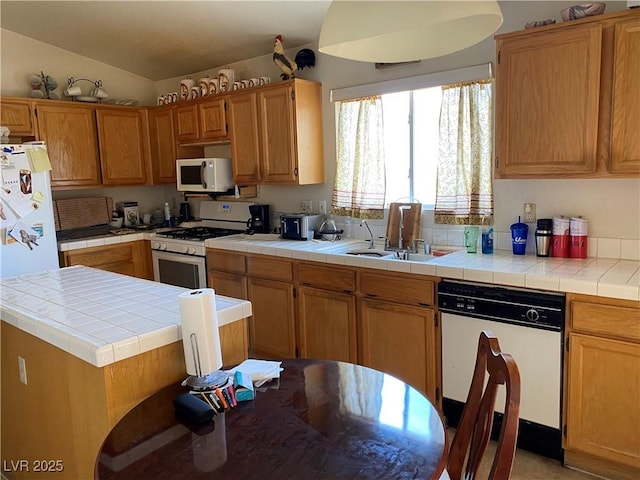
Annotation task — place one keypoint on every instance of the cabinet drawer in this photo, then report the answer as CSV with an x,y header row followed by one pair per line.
x,y
328,278
270,268
97,256
606,319
397,289
223,261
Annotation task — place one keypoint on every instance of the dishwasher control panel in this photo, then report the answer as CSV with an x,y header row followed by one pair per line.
x,y
531,308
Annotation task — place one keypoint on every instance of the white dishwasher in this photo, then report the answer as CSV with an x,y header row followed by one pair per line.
x,y
529,325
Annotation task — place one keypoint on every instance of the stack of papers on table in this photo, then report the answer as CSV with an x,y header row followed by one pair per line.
x,y
260,371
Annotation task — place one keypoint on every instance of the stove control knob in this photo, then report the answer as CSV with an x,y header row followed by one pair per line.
x,y
163,246
191,251
185,249
155,245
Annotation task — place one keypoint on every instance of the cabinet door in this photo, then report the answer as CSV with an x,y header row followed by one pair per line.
x,y
547,102
399,340
127,258
187,123
327,325
277,135
625,140
244,137
121,140
163,145
603,418
272,330
17,116
228,284
213,120
70,133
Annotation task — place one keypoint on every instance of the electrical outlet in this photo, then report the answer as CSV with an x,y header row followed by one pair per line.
x,y
322,207
306,206
529,213
22,368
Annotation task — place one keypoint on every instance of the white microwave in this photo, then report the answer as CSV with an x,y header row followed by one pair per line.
x,y
204,174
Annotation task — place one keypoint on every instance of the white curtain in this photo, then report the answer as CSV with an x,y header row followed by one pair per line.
x,y
359,187
464,192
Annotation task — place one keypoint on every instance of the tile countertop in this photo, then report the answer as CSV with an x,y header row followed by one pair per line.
x,y
603,277
98,316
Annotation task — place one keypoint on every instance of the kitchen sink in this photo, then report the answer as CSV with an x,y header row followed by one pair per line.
x,y
368,252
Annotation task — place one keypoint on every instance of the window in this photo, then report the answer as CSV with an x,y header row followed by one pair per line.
x,y
436,145
411,144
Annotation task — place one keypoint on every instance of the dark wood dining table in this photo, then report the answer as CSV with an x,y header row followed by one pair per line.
x,y
319,420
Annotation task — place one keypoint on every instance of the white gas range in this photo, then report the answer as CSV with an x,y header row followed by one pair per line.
x,y
179,256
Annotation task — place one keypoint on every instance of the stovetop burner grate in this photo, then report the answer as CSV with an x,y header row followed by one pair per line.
x,y
199,233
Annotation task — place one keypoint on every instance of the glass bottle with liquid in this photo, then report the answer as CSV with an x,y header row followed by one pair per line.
x,y
487,233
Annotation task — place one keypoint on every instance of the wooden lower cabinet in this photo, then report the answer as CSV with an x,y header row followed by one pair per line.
x,y
228,284
272,327
130,258
400,340
602,399
327,325
384,320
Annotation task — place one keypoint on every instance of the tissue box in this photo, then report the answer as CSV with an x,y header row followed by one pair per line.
x,y
243,387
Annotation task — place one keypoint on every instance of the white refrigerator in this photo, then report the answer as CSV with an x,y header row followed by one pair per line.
x,y
26,211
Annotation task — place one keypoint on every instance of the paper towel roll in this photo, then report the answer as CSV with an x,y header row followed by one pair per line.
x,y
200,334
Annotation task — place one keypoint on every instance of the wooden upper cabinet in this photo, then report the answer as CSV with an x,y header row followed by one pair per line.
x,y
291,132
567,99
162,144
70,133
187,125
202,121
547,100
213,119
625,114
276,134
17,116
245,137
122,155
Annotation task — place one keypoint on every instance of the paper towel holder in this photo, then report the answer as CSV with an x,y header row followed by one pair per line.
x,y
200,381
201,340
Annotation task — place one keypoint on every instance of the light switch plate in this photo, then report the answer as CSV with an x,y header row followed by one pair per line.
x,y
529,213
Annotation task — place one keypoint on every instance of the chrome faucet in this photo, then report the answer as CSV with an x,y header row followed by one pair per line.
x,y
401,208
364,222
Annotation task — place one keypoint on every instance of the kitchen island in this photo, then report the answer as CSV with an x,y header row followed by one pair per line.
x,y
89,345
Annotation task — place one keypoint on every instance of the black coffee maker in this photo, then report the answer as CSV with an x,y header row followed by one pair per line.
x,y
259,221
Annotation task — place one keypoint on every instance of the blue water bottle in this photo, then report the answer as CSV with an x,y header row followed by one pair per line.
x,y
487,234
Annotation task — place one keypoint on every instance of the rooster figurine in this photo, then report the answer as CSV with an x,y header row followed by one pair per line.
x,y
304,58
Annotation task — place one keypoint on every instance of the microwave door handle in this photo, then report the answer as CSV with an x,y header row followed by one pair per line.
x,y
202,176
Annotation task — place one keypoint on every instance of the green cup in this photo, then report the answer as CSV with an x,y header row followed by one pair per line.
x,y
471,235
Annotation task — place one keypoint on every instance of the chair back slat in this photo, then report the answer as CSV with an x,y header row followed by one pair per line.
x,y
474,430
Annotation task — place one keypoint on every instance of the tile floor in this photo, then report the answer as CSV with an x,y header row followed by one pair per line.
x,y
529,466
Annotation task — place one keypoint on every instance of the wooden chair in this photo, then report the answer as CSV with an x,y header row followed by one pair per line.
x,y
473,432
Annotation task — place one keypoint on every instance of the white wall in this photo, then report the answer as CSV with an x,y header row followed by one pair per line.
x,y
611,206
22,56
